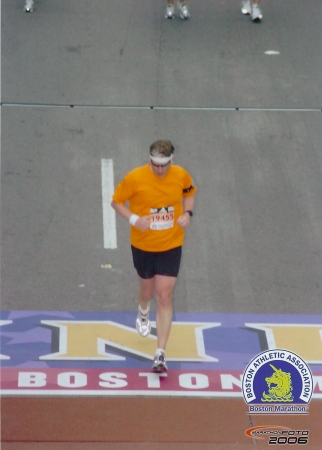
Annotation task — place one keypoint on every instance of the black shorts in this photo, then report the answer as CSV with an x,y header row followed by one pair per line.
x,y
149,264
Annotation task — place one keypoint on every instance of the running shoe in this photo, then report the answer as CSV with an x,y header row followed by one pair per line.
x,y
256,13
170,12
184,12
29,6
246,7
159,363
143,324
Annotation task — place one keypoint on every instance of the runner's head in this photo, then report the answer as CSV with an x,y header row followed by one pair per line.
x,y
161,153
161,148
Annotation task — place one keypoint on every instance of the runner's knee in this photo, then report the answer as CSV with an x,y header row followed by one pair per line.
x,y
164,299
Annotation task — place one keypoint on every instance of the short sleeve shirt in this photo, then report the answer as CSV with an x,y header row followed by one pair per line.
x,y
161,200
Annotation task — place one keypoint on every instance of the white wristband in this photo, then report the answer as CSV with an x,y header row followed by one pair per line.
x,y
133,219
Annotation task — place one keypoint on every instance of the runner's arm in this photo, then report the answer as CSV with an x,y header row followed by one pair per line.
x,y
188,204
143,222
122,210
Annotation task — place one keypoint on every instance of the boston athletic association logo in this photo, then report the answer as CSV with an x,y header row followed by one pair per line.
x,y
277,382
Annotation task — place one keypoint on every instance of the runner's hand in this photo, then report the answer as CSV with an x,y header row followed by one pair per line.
x,y
143,223
184,220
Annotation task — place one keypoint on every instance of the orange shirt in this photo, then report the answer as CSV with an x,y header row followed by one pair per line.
x,y
159,198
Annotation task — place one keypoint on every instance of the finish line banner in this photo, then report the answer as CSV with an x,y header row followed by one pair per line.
x,y
100,353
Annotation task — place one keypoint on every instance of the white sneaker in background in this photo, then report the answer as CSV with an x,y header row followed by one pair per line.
x,y
29,6
246,7
256,13
170,12
184,12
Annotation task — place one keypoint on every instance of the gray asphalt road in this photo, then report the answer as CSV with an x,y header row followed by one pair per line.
x,y
255,244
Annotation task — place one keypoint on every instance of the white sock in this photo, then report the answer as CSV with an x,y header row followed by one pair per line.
x,y
144,311
160,350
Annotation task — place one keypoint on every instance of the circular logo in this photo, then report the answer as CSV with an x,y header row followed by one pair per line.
x,y
277,377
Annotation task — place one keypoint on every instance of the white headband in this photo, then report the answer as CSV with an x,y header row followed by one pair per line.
x,y
163,160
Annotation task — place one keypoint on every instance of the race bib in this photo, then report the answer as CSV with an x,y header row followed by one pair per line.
x,y
161,218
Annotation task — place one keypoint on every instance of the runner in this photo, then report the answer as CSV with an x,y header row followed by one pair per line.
x,y
160,199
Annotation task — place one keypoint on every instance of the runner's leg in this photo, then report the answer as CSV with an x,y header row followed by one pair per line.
x,y
146,290
164,286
